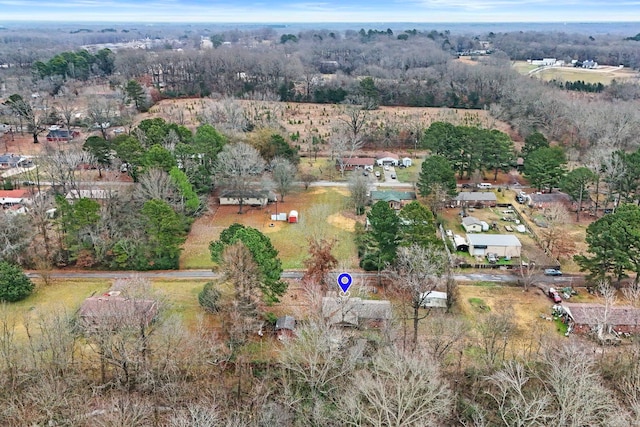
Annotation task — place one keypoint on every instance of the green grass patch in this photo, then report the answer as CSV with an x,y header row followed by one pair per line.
x,y
479,304
486,284
561,327
181,297
410,174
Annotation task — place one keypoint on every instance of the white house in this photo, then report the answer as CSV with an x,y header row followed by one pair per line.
x,y
255,198
503,245
387,158
471,224
433,299
94,194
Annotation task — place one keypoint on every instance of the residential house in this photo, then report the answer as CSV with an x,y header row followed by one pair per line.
x,y
61,135
587,317
356,163
545,200
10,198
471,224
433,299
113,311
396,199
503,245
94,194
258,198
476,199
387,159
356,312
10,161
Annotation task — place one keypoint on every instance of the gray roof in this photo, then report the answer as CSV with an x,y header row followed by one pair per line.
x,y
592,314
351,310
549,197
474,196
493,240
286,322
471,220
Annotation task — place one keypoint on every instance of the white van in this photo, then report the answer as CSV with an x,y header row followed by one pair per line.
x,y
484,185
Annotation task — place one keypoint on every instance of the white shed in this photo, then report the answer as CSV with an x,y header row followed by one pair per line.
x,y
433,299
406,162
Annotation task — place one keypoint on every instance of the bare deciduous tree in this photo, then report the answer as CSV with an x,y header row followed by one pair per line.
x,y
444,334
239,169
315,367
416,272
519,403
496,330
578,395
397,389
359,188
283,172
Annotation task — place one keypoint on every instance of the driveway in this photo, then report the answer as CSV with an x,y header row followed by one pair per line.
x,y
388,173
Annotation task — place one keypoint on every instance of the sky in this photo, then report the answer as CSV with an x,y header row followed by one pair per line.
x,y
290,11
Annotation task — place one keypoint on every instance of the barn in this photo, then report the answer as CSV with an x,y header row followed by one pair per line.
x,y
503,245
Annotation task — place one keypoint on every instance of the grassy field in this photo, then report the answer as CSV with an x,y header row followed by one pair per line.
x,y
602,74
323,212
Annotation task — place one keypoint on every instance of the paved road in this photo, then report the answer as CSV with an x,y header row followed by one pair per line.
x,y
502,277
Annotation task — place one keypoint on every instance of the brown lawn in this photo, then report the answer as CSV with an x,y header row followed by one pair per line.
x,y
323,212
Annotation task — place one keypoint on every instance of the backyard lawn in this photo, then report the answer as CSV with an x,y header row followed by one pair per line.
x,y
323,212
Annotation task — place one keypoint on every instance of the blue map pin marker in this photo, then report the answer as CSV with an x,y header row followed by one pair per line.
x,y
344,281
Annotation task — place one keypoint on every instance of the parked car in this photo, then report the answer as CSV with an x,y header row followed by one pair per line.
x,y
365,173
492,258
377,174
554,295
386,167
393,176
466,185
552,272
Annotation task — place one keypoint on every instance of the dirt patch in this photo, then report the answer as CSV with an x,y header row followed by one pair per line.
x,y
340,221
530,310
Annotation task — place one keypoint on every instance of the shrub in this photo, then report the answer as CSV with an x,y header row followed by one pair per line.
x,y
14,284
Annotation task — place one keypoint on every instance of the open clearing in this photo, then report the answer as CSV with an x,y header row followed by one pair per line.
x,y
323,212
604,74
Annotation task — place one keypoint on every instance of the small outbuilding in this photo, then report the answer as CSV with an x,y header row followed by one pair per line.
x,y
285,327
293,217
406,162
433,299
460,243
